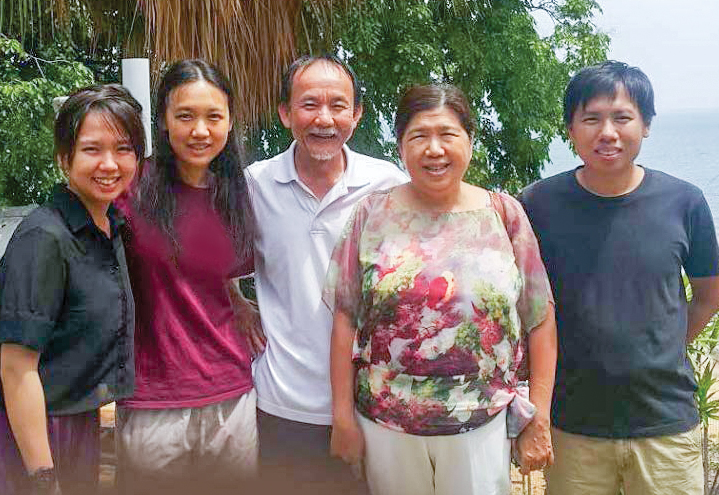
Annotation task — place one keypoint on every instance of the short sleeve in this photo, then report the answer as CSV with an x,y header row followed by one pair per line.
x,y
343,284
32,288
536,292
703,256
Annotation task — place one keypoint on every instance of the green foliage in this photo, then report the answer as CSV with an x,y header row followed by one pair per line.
x,y
513,77
27,87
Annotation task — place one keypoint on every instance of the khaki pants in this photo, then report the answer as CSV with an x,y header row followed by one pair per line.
x,y
198,450
665,465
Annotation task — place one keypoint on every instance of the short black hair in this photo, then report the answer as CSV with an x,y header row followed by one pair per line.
x,y
112,101
604,80
307,60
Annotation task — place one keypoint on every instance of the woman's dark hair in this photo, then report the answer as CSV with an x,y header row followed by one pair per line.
x,y
605,79
155,196
113,102
428,97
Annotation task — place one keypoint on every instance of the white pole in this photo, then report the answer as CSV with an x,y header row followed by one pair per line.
x,y
136,78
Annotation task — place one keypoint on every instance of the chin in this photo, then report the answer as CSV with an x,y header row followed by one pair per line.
x,y
324,156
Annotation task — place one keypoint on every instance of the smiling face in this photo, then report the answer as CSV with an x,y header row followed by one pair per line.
x,y
198,121
436,150
321,112
103,163
607,133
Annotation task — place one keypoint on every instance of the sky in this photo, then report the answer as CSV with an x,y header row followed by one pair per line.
x,y
675,42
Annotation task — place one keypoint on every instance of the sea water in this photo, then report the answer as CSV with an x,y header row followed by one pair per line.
x,y
684,144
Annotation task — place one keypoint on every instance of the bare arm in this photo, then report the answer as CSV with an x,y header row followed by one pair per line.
x,y
25,404
347,440
248,318
535,444
704,304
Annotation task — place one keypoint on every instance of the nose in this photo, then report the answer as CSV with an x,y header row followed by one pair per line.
x,y
109,162
434,147
324,116
608,129
200,129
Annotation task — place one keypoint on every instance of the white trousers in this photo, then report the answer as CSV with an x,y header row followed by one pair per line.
x,y
472,463
215,444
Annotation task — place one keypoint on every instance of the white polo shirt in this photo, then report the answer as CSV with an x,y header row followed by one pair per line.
x,y
296,236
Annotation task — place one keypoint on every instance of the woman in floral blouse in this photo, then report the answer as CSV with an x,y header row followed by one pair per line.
x,y
438,291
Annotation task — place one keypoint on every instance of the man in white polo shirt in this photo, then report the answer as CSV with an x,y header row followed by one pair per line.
x,y
302,199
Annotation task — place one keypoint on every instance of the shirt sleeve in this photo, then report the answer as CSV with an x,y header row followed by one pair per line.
x,y
536,292
32,288
343,284
703,256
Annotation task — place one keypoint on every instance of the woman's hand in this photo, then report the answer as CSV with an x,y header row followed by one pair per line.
x,y
247,316
534,446
347,441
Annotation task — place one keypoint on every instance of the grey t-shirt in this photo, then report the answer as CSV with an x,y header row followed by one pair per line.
x,y
615,269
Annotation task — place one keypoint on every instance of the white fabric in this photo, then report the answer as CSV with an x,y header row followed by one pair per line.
x,y
296,236
472,463
218,441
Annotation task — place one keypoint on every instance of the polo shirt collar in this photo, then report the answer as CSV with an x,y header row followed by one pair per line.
x,y
354,176
74,212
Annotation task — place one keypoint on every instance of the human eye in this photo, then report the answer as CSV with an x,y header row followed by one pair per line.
x,y
89,148
184,116
216,117
125,148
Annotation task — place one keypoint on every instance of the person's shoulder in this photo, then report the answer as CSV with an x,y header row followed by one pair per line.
x,y
550,184
42,227
379,170
43,218
265,168
672,183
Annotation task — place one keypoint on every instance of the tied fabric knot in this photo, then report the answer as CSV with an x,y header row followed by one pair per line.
x,y
520,410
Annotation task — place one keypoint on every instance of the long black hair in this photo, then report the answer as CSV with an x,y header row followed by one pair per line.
x,y
155,197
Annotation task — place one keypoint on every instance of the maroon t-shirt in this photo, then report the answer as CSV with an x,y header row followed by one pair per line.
x,y
188,350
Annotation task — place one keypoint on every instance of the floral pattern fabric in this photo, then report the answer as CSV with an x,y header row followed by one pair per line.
x,y
442,305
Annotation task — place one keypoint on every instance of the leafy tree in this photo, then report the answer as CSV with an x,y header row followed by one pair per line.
x,y
513,77
28,85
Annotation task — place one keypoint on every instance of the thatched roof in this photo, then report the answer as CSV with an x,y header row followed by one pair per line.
x,y
252,41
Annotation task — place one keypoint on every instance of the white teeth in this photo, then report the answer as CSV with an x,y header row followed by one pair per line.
x,y
106,181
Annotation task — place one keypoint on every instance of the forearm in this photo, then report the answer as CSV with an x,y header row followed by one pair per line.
x,y
542,363
697,318
25,405
341,368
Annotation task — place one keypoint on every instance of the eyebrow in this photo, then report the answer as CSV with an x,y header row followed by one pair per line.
x,y
425,128
189,108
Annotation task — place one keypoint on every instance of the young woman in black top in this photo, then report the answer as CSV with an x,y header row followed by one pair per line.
x,y
66,308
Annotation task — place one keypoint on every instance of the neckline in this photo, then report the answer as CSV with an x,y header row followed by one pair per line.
x,y
621,197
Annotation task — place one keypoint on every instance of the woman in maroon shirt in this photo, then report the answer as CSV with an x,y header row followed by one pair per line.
x,y
191,424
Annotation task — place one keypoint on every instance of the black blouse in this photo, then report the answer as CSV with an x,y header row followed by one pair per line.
x,y
65,292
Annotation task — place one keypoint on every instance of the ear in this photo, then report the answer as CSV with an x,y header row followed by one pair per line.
x,y
357,115
284,112
64,165
646,131
570,133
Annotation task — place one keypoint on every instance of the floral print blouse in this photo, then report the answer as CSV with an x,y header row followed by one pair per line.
x,y
442,304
